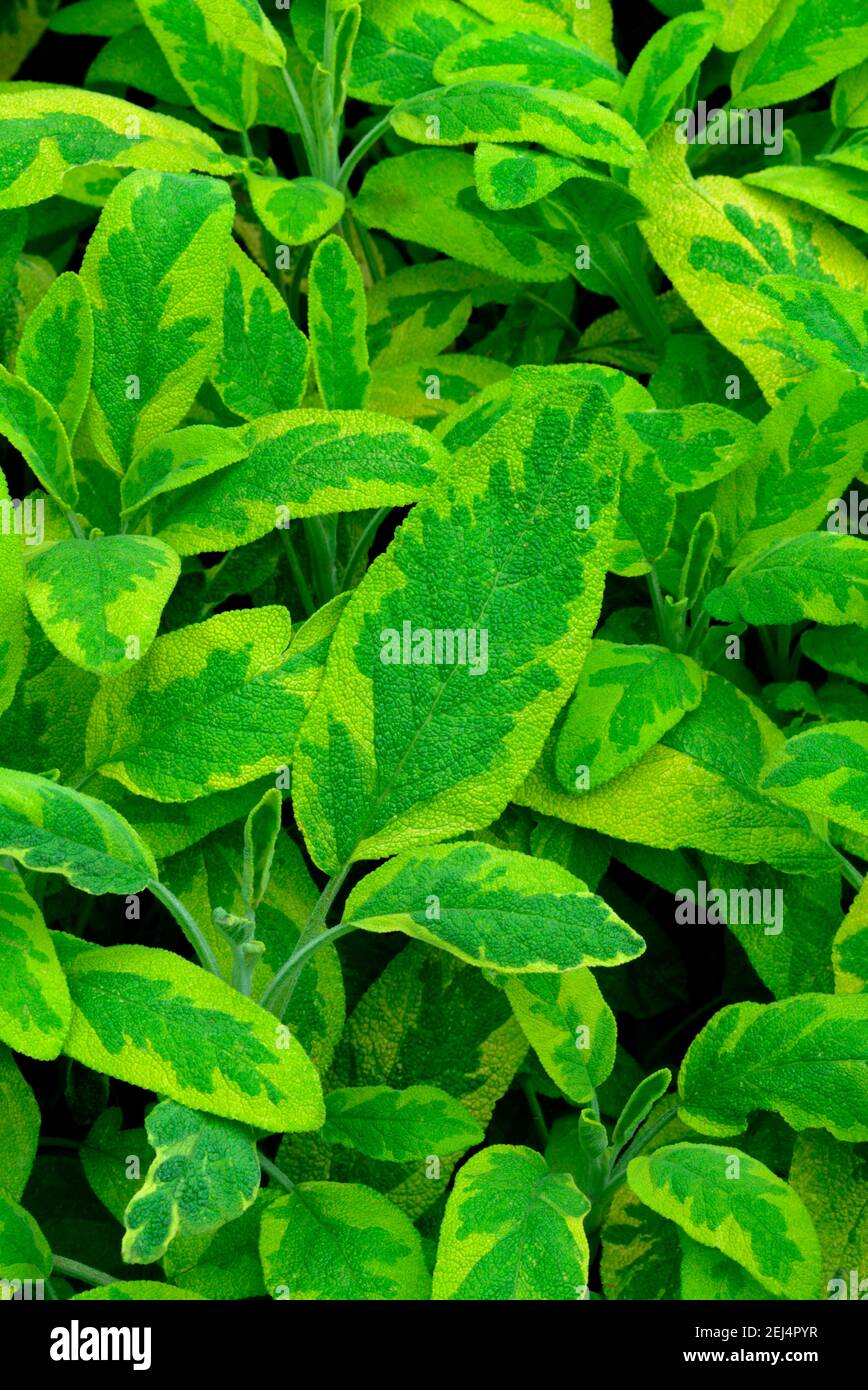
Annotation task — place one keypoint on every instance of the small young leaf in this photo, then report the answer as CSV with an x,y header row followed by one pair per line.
x,y
261,830
640,1105
570,1027
30,424
55,354
336,323
296,211
263,363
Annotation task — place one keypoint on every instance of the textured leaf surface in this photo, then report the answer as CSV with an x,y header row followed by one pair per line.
x,y
806,1058
821,576
802,45
19,1126
263,361
100,601
12,604
399,1125
178,458
512,1231
201,43
31,425
50,130
663,69
155,1020
205,1173
627,698
499,112
154,272
211,707
570,1027
34,1007
340,1241
55,355
301,463
850,947
755,1218
493,908
502,53
824,771
336,323
384,776
698,786
832,1180
24,1252
295,211
51,829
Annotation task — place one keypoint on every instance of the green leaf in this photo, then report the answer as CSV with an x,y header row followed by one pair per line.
x,y
134,1291
640,1105
839,193
839,649
627,698
663,69
24,22
301,463
570,1027
100,601
850,948
423,994
716,239
512,1231
500,112
152,1019
640,1252
592,26
210,707
336,323
850,97
506,512
102,18
261,830
492,908
742,21
503,53
263,363
821,576
113,1159
34,1008
24,1252
399,1125
340,1241
154,273
245,27
19,1127
824,323
824,771
396,46
134,59
807,450
511,177
806,1058
429,196
51,130
734,1204
830,1179
205,1173
178,458
56,350
201,44
52,829
295,212
13,642
802,45
31,425
699,786
706,1274
417,312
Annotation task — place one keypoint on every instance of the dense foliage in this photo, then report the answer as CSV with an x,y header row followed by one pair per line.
x,y
433,662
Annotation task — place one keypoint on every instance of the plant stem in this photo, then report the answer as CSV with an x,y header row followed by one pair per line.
x,y
246,145
85,1274
277,1173
535,1108
321,556
643,1138
281,987
360,150
188,924
73,524
308,139
848,870
301,583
